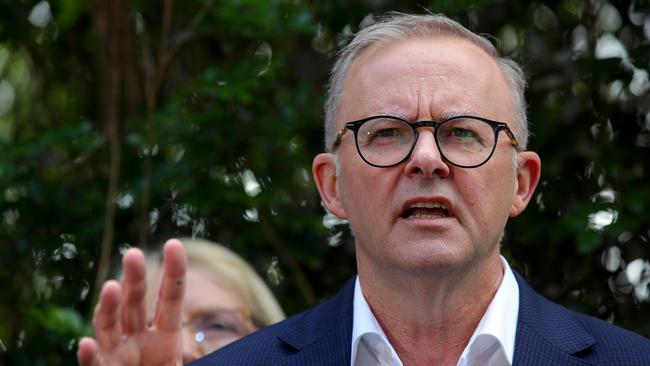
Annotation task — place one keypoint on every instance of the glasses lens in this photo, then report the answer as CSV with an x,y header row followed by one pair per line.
x,y
384,141
466,141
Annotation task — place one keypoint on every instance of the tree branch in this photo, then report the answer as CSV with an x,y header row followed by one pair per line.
x,y
154,84
109,23
155,76
285,257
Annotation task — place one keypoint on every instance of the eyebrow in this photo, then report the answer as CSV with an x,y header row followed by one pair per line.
x,y
391,114
464,112
208,311
440,117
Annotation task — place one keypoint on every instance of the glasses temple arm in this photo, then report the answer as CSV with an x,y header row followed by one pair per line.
x,y
340,134
512,137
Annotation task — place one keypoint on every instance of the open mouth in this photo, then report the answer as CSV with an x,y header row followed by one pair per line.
x,y
426,210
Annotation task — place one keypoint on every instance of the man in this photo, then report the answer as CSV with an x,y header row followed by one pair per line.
x,y
426,132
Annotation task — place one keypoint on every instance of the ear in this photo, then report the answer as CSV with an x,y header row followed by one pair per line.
x,y
324,170
528,172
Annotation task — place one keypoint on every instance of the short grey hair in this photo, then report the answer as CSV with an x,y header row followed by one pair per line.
x,y
399,27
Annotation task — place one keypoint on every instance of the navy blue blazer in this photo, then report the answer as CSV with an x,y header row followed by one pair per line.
x,y
547,335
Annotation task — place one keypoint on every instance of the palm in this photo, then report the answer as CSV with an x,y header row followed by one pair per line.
x,y
121,336
152,347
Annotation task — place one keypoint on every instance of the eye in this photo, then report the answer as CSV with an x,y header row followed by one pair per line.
x,y
464,133
221,323
217,327
386,132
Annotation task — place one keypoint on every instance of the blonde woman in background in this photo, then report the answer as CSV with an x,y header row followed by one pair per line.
x,y
224,300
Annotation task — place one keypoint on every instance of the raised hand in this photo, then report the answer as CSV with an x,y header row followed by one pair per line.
x,y
122,337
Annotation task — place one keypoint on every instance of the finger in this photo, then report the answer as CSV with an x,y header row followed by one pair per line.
x,y
87,352
134,285
106,318
172,287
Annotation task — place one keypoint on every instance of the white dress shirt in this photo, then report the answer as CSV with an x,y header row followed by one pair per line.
x,y
492,344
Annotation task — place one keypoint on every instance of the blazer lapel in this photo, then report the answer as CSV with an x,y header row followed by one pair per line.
x,y
323,335
547,334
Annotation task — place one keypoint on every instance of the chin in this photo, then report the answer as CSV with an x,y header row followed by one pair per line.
x,y
435,260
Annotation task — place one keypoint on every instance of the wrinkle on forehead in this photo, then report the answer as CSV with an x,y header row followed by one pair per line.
x,y
410,80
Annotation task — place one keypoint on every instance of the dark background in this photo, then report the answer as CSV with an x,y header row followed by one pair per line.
x,y
123,123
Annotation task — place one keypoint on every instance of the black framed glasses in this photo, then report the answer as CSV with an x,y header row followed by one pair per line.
x,y
464,141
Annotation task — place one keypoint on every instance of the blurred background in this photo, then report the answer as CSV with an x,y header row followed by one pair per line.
x,y
123,123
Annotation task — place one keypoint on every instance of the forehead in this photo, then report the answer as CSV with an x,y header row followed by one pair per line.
x,y
426,78
204,292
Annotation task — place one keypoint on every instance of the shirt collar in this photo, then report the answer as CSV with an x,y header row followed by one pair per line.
x,y
365,326
496,330
498,326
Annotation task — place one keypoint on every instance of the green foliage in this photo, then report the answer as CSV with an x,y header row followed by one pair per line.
x,y
224,148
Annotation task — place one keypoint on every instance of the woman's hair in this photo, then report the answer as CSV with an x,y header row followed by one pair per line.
x,y
235,274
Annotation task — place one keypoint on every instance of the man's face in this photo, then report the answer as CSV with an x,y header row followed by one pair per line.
x,y
390,209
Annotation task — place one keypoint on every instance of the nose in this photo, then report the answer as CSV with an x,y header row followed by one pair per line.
x,y
191,349
426,160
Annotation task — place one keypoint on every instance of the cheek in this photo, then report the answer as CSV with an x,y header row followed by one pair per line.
x,y
487,194
366,193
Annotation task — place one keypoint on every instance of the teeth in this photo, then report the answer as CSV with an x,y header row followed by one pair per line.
x,y
426,210
425,216
428,205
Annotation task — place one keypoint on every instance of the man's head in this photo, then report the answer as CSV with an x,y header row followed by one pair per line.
x,y
399,27
425,214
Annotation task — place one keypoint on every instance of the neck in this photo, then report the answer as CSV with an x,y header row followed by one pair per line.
x,y
429,318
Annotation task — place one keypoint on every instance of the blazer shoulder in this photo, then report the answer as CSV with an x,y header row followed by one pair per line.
x,y
325,327
614,342
547,328
263,347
